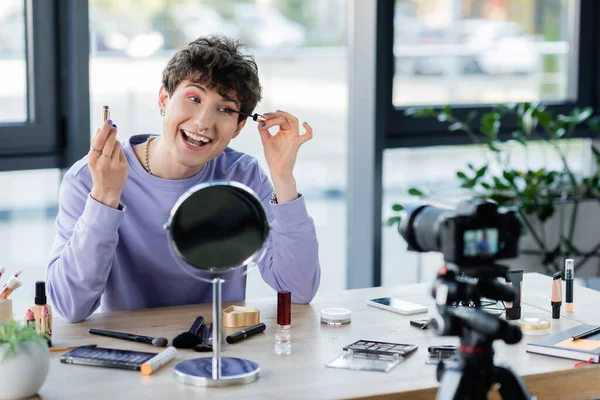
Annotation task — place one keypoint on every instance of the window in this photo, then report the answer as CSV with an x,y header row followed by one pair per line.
x,y
29,103
483,51
13,61
131,43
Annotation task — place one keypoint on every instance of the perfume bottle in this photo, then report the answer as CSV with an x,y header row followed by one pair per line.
x,y
283,337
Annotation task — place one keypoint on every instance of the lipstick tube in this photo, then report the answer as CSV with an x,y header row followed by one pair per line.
x,y
105,114
569,274
556,300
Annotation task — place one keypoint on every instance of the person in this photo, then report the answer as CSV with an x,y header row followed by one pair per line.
x,y
483,246
110,249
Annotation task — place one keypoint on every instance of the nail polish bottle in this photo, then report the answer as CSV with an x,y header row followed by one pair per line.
x,y
283,337
42,310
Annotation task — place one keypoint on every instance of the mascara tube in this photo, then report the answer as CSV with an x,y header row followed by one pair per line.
x,y
569,273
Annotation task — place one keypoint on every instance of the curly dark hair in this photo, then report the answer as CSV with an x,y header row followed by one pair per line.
x,y
216,62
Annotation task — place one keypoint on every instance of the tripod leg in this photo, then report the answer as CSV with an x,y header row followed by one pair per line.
x,y
511,385
450,385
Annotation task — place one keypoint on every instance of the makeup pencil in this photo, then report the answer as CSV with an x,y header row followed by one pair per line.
x,y
569,273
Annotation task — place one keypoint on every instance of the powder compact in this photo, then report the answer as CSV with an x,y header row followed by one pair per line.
x,y
335,316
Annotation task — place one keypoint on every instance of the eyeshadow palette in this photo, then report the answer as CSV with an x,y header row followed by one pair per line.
x,y
381,348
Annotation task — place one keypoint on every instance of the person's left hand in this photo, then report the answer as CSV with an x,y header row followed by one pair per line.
x,y
281,148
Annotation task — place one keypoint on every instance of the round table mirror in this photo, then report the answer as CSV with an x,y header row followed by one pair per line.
x,y
218,227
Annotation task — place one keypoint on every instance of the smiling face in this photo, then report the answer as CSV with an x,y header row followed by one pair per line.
x,y
197,125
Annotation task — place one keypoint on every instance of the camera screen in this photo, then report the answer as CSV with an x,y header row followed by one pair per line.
x,y
480,242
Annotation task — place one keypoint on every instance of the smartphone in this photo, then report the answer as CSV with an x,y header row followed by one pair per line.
x,y
398,306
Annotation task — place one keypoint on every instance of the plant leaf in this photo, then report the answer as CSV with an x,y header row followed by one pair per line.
x,y
544,118
397,207
571,248
457,126
470,117
481,172
415,192
461,175
594,124
545,211
393,221
419,112
499,184
550,256
577,116
493,145
519,137
490,125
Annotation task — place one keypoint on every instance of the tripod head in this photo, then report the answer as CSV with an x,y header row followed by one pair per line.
x,y
474,372
473,325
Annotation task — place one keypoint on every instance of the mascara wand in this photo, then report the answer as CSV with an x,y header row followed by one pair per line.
x,y
255,116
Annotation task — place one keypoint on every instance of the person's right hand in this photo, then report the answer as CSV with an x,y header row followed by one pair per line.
x,y
108,166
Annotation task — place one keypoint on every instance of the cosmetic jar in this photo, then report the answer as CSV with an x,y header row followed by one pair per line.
x,y
534,326
335,316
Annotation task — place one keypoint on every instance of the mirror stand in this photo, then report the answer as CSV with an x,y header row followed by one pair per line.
x,y
217,370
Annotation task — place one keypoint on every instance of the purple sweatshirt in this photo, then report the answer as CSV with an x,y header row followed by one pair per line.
x,y
120,259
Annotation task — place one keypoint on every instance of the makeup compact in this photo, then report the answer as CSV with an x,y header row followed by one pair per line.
x,y
336,316
238,316
534,326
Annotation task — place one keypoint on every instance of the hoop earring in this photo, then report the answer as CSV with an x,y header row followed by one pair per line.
x,y
162,112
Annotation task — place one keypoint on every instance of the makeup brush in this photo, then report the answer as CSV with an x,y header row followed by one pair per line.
x,y
204,347
15,275
2,271
158,342
12,285
189,339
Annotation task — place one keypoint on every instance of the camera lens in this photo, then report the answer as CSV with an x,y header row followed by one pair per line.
x,y
420,228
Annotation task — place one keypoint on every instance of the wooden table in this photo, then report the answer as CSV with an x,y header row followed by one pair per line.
x,y
302,374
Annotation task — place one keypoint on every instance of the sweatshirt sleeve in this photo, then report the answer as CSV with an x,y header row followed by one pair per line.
x,y
292,258
82,253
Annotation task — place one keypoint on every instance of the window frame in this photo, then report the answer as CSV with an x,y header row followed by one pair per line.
x,y
56,132
405,131
36,135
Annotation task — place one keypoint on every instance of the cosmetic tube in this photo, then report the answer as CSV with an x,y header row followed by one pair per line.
x,y
514,279
153,364
556,300
105,114
569,275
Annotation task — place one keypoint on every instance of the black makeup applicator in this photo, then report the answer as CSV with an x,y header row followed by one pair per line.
x,y
255,116
192,337
158,342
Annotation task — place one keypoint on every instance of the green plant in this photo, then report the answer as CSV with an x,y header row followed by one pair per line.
x,y
14,333
534,191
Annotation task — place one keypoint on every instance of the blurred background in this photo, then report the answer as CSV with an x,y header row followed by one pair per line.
x,y
445,51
